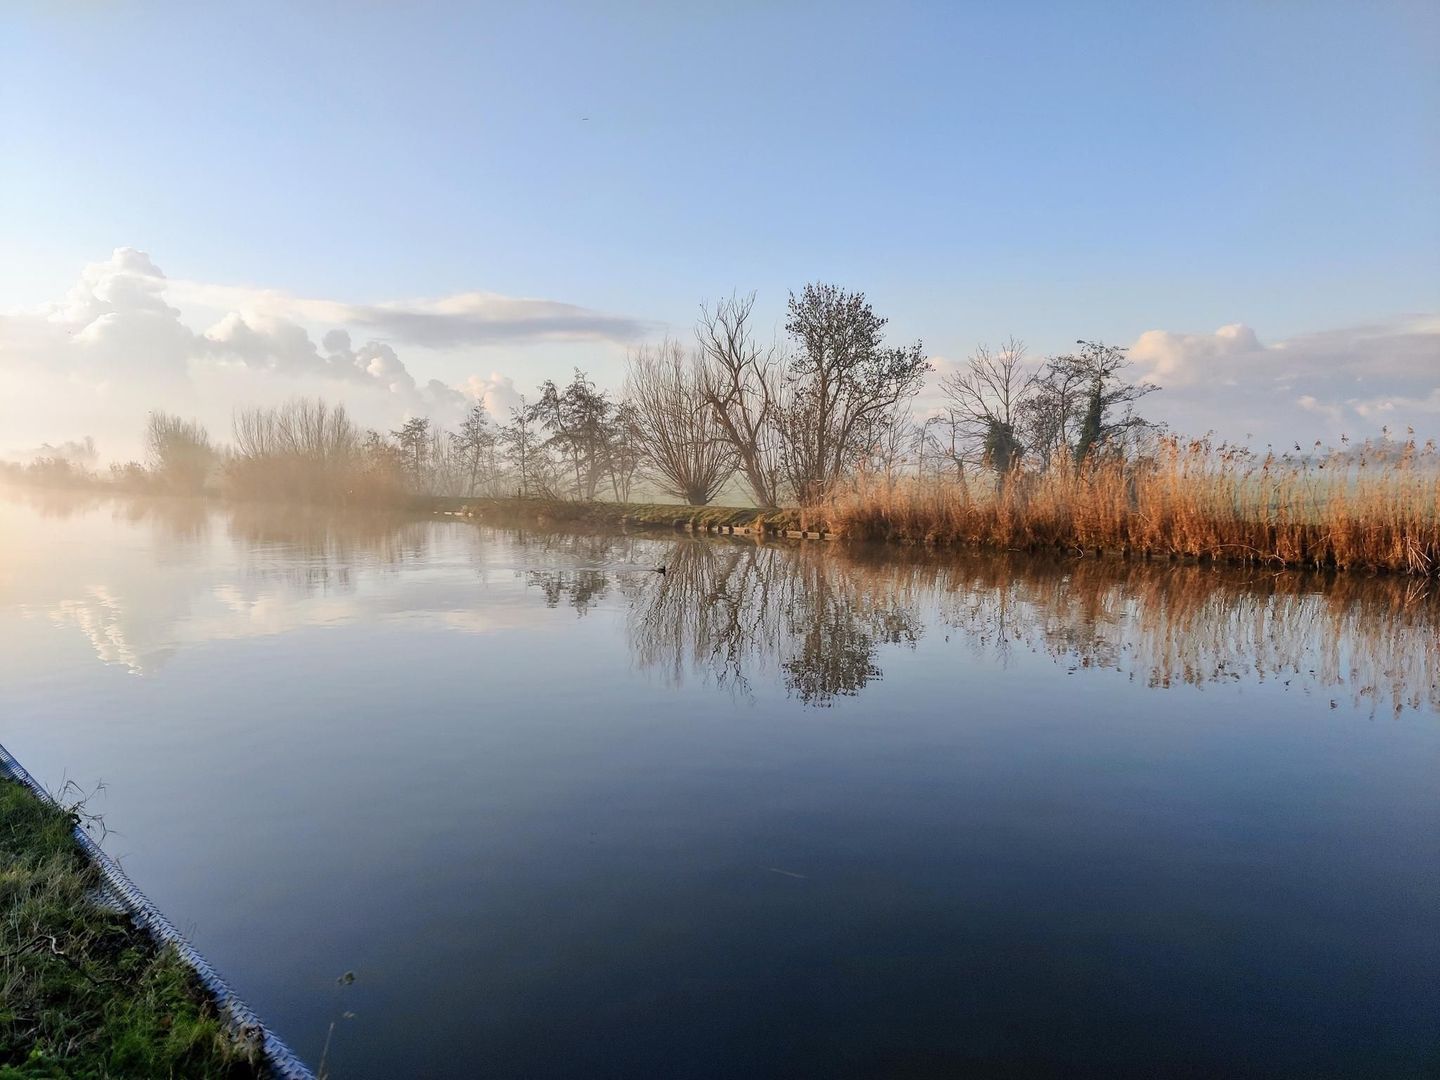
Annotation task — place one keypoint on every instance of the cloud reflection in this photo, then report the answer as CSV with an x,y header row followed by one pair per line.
x,y
143,580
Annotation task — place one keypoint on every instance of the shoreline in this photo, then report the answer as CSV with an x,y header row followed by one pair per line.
x,y
1395,547
112,984
801,524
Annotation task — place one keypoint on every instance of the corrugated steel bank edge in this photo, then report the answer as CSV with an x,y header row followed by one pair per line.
x,y
119,888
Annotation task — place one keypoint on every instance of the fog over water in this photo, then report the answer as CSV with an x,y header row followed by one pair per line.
x,y
784,810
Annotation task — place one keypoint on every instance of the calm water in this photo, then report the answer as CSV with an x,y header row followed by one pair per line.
x,y
784,812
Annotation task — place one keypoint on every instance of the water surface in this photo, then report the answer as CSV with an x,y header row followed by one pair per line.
x,y
783,811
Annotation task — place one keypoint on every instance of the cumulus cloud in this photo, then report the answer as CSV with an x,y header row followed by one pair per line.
x,y
1351,381
278,345
118,344
125,339
1354,380
496,392
113,314
1184,359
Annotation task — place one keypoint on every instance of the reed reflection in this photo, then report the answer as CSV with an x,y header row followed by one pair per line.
x,y
819,617
1374,640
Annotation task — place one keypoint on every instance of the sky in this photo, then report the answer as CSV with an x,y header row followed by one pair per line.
x,y
414,206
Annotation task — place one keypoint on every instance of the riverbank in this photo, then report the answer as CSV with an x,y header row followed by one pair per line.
x,y
1338,515
744,520
1205,520
84,990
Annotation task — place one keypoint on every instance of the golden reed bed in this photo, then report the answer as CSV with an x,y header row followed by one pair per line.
x,y
1375,507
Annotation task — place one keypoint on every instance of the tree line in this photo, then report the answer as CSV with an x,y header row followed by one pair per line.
x,y
786,421
791,421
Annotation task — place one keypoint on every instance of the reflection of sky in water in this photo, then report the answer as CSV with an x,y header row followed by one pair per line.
x,y
138,592
536,795
141,580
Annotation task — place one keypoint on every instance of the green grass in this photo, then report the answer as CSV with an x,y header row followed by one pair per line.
x,y
84,993
636,515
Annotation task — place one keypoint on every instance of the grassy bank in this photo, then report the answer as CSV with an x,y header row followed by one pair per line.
x,y
1188,502
83,992
604,515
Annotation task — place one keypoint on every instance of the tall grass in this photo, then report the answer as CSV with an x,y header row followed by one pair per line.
x,y
83,991
1374,507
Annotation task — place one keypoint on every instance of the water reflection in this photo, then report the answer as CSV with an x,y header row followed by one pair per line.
x,y
310,550
1035,830
1374,639
587,565
178,525
142,578
733,609
149,576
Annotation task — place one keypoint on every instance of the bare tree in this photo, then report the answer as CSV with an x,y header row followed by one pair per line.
x,y
580,422
890,442
381,468
986,402
302,427
474,445
413,438
741,384
525,451
842,382
624,456
179,451
685,446
304,449
1050,415
1073,407
444,468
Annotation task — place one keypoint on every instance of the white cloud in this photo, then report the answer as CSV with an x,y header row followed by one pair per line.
x,y
497,393
1183,359
1332,413
124,340
462,319
1353,380
1384,408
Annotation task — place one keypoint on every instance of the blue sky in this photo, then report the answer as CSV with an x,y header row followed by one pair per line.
x,y
1051,171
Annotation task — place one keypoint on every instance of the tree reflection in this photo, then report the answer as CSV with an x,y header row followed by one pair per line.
x,y
586,564
175,521
1376,638
818,617
319,549
836,625
578,588
730,610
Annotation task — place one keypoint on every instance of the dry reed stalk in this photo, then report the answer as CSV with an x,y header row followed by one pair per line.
x,y
1375,507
